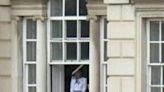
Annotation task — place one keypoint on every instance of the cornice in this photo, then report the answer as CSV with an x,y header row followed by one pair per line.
x,y
96,8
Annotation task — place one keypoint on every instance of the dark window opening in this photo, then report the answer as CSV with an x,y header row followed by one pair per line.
x,y
71,51
82,7
61,77
84,28
70,7
71,29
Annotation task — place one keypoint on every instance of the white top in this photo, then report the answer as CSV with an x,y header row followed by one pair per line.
x,y
78,85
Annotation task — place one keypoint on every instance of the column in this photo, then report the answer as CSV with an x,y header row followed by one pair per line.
x,y
14,55
94,55
41,55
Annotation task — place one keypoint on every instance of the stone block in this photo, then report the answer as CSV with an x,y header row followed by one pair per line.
x,y
114,48
114,12
5,15
114,84
5,2
128,84
121,30
128,12
5,67
5,84
5,49
121,67
128,48
116,1
5,28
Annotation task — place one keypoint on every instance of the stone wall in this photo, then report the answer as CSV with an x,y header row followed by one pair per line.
x,y
121,46
5,46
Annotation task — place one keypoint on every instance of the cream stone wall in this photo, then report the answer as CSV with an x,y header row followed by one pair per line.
x,y
121,46
5,46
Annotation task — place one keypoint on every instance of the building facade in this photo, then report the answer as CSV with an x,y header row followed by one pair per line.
x,y
118,42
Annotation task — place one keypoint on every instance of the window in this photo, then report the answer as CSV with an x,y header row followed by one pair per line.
x,y
155,56
104,58
68,34
29,55
68,42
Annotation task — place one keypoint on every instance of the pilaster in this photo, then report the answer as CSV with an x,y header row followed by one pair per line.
x,y
94,55
41,54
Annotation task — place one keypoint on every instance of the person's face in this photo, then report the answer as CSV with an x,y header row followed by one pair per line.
x,y
78,74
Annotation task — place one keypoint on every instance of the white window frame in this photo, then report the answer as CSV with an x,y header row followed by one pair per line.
x,y
160,64
25,62
64,18
103,65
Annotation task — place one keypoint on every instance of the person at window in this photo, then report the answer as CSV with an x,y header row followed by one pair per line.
x,y
78,83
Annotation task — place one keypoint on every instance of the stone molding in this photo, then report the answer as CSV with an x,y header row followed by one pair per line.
x,y
97,8
29,10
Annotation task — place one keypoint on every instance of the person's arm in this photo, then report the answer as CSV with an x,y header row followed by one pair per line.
x,y
71,85
84,85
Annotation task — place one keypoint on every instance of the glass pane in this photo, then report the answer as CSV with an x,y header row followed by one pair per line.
x,y
70,7
155,75
163,31
85,51
31,29
71,28
31,51
31,74
162,52
82,7
105,51
105,28
154,53
32,89
56,51
56,7
163,75
154,30
155,89
71,51
84,28
56,29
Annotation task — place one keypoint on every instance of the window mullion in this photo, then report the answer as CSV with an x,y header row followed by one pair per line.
x,y
63,41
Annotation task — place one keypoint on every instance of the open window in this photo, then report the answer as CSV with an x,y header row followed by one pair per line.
x,y
61,77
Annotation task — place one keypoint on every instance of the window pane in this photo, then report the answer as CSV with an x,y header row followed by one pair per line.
x,y
154,53
85,51
71,28
56,7
163,74
82,7
32,89
31,51
84,28
155,75
105,28
70,7
56,29
163,31
56,51
71,51
154,30
163,52
31,29
155,89
105,51
32,74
